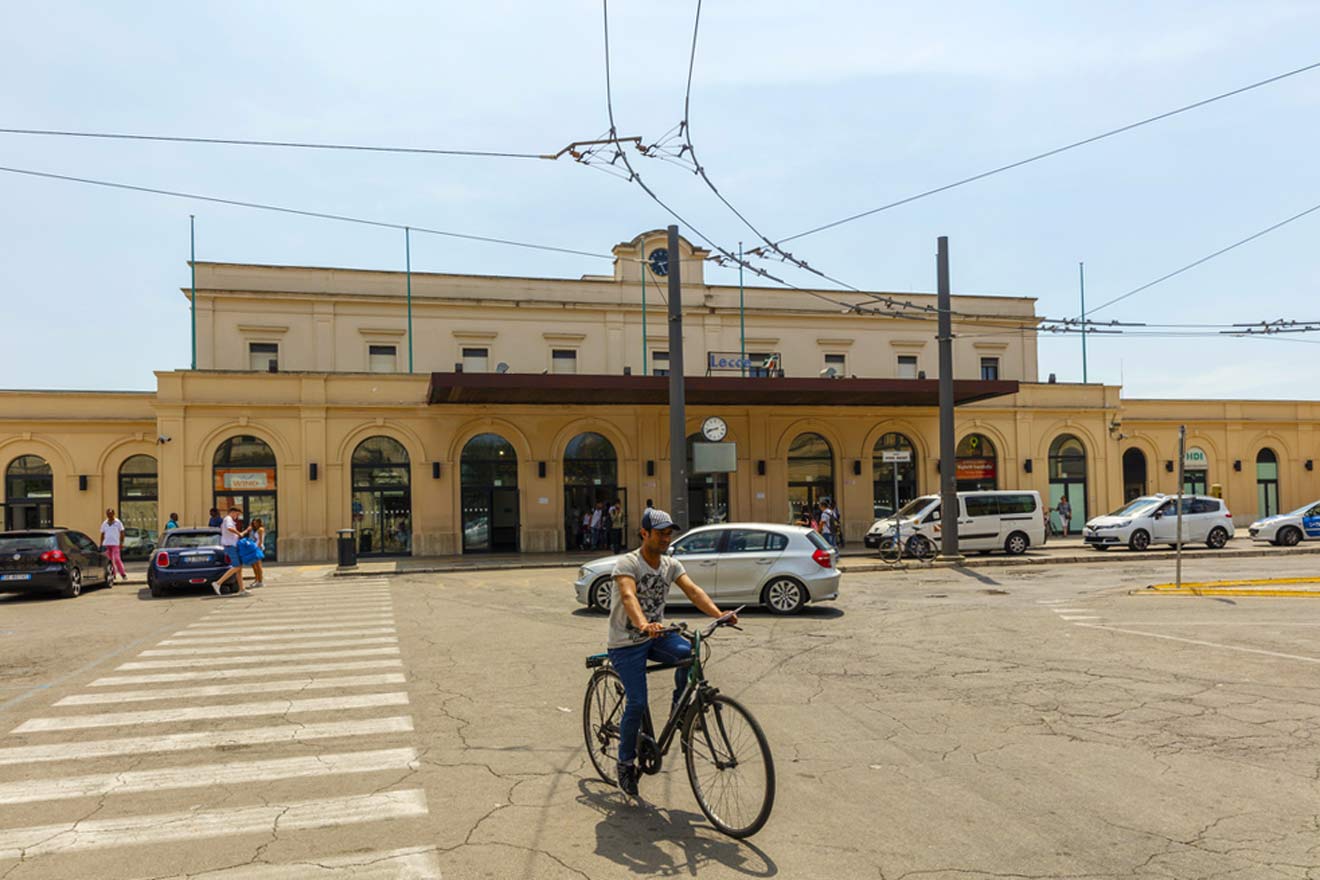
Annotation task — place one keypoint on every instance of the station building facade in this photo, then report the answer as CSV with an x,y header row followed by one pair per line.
x,y
530,400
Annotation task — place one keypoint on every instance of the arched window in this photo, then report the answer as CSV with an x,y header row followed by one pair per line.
x,y
1068,480
138,493
810,473
977,464
382,497
591,486
1134,474
1267,483
243,474
29,494
488,472
883,472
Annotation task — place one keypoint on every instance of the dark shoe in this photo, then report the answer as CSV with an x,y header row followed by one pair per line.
x,y
627,774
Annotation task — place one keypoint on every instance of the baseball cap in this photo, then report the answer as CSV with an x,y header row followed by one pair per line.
x,y
657,519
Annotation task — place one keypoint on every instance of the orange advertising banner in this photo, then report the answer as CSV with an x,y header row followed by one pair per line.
x,y
244,479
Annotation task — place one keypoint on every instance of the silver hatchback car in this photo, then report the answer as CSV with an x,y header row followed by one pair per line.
x,y
780,567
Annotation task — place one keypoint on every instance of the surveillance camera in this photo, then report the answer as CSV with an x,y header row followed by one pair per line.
x,y
164,438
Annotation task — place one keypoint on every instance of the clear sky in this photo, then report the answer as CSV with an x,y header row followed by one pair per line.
x,y
802,113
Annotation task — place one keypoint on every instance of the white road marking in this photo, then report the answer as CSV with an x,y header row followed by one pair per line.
x,y
332,633
222,674
308,622
182,742
282,646
264,659
1151,635
262,614
1070,610
415,863
1082,617
222,690
1052,601
27,843
197,713
203,775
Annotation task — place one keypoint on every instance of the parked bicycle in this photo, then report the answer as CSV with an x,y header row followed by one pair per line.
x,y
728,759
917,549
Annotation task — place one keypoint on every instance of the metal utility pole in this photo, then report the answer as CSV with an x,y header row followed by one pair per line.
x,y
948,462
407,257
1081,280
192,264
677,400
646,355
1182,451
742,316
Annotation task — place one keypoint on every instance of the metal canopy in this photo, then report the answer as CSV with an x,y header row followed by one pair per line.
x,y
587,390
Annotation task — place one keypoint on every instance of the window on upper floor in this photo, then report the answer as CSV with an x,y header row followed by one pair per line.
x,y
261,354
382,358
476,360
563,360
659,363
990,368
839,363
907,366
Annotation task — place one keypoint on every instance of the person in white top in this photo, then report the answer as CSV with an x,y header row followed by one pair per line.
x,y
112,539
229,535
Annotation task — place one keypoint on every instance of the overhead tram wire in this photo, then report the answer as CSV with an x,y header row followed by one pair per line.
x,y
1054,152
320,215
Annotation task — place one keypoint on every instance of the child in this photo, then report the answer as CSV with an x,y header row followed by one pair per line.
x,y
257,532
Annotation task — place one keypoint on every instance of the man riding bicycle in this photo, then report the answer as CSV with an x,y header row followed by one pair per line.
x,y
641,582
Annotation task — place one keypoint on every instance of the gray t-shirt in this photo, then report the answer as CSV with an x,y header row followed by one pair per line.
x,y
652,586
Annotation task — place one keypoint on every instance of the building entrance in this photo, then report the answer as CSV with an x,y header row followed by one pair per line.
x,y
489,500
29,494
254,505
243,476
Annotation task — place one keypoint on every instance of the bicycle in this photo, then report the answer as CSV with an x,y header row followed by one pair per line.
x,y
729,764
917,548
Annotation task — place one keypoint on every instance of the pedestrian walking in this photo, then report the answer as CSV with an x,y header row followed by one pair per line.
x,y
257,532
229,535
172,522
620,525
216,519
838,523
112,539
597,536
1064,507
584,537
827,523
803,518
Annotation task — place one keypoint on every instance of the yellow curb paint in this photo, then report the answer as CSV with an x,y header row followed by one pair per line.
x,y
1228,591
1264,582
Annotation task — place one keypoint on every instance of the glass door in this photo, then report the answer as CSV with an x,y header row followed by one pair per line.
x,y
253,505
476,520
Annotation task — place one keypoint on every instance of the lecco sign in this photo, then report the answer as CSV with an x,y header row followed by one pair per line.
x,y
732,360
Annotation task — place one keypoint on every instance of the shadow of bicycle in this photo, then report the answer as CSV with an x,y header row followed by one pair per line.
x,y
653,841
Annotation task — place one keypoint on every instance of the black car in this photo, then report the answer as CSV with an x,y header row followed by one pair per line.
x,y
51,560
186,557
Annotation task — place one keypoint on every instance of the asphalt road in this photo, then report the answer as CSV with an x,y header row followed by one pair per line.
x,y
977,723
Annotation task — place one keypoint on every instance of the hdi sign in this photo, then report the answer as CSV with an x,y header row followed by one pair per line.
x,y
1195,457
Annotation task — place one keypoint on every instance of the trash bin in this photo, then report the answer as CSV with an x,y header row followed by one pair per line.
x,y
347,550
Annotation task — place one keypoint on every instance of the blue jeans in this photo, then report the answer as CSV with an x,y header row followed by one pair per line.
x,y
630,664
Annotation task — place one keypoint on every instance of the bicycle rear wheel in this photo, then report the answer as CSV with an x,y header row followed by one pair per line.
x,y
602,713
730,767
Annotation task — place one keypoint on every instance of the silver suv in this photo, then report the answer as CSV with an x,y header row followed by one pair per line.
x,y
1153,519
780,567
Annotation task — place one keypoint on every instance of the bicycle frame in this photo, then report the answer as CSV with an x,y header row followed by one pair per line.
x,y
693,697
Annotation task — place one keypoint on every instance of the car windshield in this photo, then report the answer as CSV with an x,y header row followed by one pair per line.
x,y
1137,506
19,543
916,506
192,539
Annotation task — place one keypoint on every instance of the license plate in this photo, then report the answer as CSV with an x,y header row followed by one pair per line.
x,y
15,577
196,554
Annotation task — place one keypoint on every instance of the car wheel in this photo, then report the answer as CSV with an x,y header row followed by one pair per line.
x,y
156,590
1140,540
1290,536
784,596
1217,538
600,595
1016,544
74,589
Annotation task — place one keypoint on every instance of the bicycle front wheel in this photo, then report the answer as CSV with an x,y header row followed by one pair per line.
x,y
730,767
602,713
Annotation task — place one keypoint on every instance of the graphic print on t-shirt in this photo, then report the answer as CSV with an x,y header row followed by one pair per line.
x,y
651,590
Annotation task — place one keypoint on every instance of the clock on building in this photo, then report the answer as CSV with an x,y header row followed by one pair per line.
x,y
660,261
714,429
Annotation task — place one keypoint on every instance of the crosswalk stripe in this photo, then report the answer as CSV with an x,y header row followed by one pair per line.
x,y
263,614
291,611
209,739
281,636
1082,617
222,690
27,843
197,713
282,646
415,863
203,775
223,674
265,659
308,623
326,594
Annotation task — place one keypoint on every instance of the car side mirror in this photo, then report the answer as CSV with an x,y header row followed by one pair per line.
x,y
1158,514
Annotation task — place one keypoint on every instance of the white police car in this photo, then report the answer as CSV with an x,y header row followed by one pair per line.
x,y
1287,529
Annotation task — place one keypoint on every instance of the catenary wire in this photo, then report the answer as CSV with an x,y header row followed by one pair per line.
x,y
243,142
1054,152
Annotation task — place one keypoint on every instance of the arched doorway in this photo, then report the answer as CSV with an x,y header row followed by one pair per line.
x,y
1267,483
1134,474
708,493
382,497
591,482
976,463
810,473
489,486
29,494
1068,479
1196,471
138,492
243,476
882,475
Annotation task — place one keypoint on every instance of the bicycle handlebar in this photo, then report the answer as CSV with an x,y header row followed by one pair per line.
x,y
681,627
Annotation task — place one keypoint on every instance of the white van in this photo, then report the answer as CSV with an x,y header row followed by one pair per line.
x,y
1008,520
